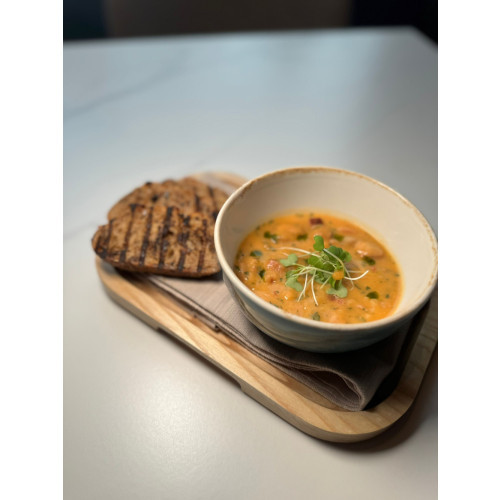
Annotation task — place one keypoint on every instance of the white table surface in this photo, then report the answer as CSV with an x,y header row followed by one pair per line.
x,y
144,418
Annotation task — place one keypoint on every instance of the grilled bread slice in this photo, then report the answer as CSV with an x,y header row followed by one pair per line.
x,y
159,239
189,195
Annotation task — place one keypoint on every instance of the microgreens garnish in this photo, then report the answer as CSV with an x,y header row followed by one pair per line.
x,y
290,260
325,266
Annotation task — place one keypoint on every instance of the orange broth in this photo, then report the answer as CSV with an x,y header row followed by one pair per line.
x,y
372,297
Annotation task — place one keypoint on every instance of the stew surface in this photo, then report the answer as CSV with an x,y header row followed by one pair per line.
x,y
265,264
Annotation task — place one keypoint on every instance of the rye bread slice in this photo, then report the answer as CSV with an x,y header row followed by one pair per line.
x,y
189,195
158,239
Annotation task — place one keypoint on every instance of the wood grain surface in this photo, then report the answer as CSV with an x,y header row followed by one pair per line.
x,y
291,400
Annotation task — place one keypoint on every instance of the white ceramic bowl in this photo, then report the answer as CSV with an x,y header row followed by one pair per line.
x,y
380,210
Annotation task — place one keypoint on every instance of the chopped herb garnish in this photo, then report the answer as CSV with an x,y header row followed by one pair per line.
x,y
302,237
262,272
387,295
237,268
338,237
316,316
255,253
326,266
270,236
373,295
369,260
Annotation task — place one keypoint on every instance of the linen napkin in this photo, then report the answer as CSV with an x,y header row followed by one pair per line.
x,y
350,380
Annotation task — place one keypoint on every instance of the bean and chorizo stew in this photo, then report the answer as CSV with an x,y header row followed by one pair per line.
x,y
320,267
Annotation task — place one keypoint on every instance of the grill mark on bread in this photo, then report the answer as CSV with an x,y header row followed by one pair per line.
x,y
163,236
215,210
104,251
145,240
123,253
201,258
182,239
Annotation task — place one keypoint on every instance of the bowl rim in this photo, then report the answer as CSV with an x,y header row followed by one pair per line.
x,y
319,325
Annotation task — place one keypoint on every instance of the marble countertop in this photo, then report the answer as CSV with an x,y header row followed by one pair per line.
x,y
143,416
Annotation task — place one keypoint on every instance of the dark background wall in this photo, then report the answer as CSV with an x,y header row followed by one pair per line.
x,y
84,19
87,19
422,14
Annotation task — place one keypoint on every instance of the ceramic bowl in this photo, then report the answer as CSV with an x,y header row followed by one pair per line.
x,y
375,207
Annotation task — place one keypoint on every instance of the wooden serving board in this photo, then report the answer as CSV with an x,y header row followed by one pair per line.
x,y
291,400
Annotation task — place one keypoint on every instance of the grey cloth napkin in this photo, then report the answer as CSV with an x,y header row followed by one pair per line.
x,y
349,380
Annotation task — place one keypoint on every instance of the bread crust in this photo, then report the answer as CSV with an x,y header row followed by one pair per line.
x,y
189,195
